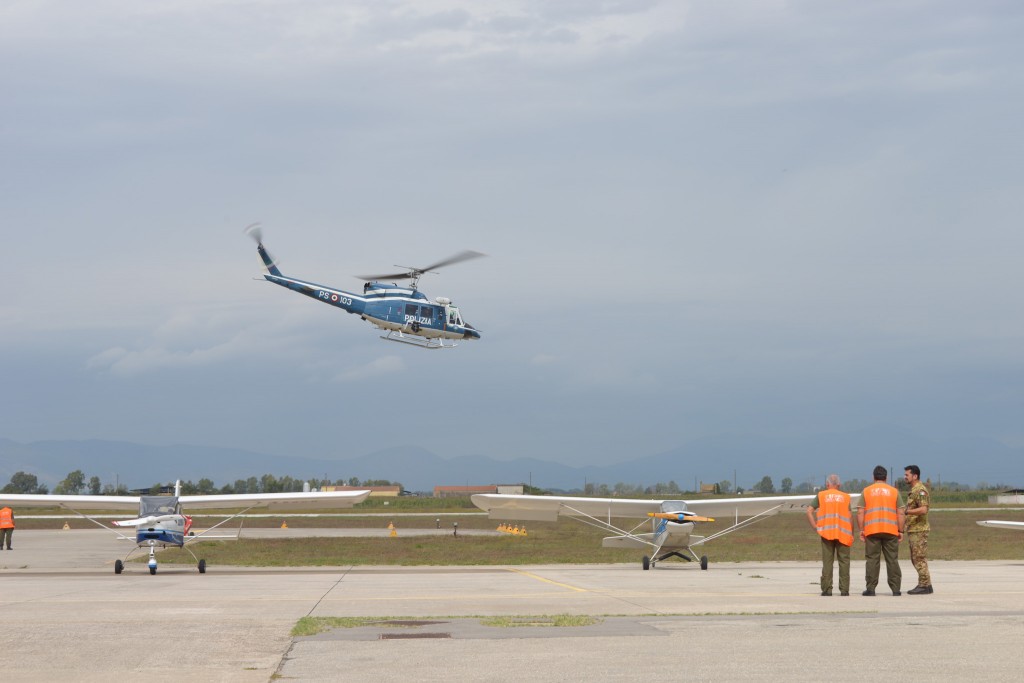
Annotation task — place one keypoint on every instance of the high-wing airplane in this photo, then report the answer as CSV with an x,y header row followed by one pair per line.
x,y
672,521
161,521
998,524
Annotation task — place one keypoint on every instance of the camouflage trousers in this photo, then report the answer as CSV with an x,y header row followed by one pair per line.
x,y
919,556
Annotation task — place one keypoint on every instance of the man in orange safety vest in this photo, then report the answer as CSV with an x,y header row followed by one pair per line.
x,y
829,515
6,527
881,519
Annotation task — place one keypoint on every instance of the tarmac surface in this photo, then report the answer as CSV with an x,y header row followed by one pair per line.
x,y
65,615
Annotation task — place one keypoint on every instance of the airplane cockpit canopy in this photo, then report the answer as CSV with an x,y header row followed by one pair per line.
x,y
674,506
158,505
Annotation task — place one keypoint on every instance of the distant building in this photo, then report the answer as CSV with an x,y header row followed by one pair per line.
x,y
375,491
165,490
463,491
1012,497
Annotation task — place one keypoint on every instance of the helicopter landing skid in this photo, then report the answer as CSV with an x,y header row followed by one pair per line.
x,y
423,343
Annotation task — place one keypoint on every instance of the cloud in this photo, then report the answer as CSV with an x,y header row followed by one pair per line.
x,y
386,365
207,337
124,363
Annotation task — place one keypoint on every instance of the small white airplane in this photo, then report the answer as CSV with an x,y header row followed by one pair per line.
x,y
672,521
1002,525
162,523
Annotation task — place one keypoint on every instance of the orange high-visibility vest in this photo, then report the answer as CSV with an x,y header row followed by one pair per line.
x,y
880,514
6,518
834,520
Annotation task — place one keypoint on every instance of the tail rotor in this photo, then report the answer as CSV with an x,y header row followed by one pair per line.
x,y
255,231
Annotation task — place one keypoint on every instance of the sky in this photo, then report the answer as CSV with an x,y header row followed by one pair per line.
x,y
701,218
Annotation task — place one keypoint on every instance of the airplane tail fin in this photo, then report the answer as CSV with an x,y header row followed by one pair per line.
x,y
256,233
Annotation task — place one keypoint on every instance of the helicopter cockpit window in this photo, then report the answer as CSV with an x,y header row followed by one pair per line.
x,y
453,316
157,505
410,309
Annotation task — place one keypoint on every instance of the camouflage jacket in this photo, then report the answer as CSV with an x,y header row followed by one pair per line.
x,y
918,497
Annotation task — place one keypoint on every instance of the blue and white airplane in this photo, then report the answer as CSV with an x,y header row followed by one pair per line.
x,y
161,521
405,313
671,521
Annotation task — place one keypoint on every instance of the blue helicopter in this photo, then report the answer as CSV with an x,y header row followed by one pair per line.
x,y
405,313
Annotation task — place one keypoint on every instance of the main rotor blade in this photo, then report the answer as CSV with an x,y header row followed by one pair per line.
x,y
416,272
458,258
392,276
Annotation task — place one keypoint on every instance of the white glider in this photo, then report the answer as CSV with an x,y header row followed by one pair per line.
x,y
672,521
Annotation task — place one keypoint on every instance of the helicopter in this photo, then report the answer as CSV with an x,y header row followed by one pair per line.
x,y
405,313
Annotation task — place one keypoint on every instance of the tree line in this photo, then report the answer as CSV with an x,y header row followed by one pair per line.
x,y
766,486
76,484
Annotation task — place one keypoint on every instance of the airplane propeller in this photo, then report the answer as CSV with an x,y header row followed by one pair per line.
x,y
680,517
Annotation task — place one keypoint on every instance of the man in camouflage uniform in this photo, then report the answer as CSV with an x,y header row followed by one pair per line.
x,y
917,529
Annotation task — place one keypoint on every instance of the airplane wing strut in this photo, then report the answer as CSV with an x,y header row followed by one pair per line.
x,y
747,521
193,539
590,520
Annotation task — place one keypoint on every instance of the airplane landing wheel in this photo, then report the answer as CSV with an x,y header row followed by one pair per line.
x,y
646,562
118,566
704,562
152,571
202,566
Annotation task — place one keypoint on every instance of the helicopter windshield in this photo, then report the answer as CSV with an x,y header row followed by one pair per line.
x,y
453,316
158,505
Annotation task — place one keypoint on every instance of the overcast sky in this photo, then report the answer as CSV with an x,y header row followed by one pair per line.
x,y
757,217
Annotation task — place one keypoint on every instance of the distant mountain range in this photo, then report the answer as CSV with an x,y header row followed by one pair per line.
x,y
746,457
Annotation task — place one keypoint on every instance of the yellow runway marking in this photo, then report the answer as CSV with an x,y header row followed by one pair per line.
x,y
554,583
518,597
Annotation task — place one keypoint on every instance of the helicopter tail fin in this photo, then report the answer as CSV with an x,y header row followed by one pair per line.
x,y
256,233
268,260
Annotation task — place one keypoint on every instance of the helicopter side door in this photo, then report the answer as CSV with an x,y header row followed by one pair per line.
x,y
419,316
428,318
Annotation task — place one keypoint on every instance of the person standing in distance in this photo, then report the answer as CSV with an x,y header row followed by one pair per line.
x,y
881,520
829,515
917,529
6,527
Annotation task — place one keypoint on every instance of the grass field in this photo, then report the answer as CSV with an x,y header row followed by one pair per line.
x,y
955,536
